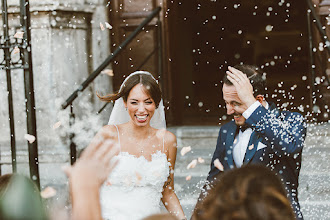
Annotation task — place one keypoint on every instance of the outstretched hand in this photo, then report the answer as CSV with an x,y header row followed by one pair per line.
x,y
242,85
95,163
88,174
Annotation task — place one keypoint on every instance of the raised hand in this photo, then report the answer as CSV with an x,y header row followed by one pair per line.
x,y
242,85
88,174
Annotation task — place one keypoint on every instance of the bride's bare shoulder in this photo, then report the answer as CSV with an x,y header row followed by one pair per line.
x,y
169,138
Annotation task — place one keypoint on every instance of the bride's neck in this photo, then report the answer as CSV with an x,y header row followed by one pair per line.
x,y
139,132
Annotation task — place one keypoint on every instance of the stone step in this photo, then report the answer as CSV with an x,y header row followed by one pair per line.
x,y
314,189
316,210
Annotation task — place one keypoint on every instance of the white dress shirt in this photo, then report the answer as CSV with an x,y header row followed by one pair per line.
x,y
242,138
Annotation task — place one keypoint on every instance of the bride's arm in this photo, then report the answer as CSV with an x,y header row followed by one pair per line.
x,y
170,200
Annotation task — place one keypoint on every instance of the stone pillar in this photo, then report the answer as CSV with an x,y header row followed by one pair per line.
x,y
67,45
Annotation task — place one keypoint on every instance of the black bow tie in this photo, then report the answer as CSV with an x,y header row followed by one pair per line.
x,y
243,127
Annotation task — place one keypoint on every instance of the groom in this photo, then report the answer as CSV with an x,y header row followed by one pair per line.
x,y
258,133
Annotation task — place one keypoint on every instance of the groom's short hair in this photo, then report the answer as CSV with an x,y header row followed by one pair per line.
x,y
256,77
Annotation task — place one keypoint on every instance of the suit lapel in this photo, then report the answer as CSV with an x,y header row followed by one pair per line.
x,y
231,133
252,147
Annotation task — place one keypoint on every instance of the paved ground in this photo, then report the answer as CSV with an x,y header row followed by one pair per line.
x,y
314,189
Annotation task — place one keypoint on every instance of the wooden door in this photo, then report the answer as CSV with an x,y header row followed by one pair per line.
x,y
125,16
207,36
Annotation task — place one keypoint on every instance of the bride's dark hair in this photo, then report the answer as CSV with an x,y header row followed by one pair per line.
x,y
150,86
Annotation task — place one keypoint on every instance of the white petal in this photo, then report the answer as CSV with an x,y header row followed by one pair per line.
x,y
16,50
19,34
192,164
218,164
200,160
185,150
48,192
30,138
102,27
108,72
107,25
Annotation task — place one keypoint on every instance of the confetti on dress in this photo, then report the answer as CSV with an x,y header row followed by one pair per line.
x,y
218,164
30,138
188,178
192,164
48,192
185,150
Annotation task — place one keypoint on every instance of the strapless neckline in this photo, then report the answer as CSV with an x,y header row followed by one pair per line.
x,y
158,153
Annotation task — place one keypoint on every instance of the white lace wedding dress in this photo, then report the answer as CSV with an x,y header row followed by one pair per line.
x,y
134,188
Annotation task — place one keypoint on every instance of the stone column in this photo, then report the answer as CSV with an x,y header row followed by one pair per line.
x,y
67,45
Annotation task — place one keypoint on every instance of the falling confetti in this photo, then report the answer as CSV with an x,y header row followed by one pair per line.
x,y
200,160
107,25
108,72
16,50
57,125
192,164
188,178
218,164
185,150
30,138
19,34
48,192
102,27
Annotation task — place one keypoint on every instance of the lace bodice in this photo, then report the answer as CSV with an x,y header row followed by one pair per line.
x,y
134,188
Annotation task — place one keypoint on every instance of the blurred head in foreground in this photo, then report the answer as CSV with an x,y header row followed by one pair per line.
x,y
20,198
164,216
250,192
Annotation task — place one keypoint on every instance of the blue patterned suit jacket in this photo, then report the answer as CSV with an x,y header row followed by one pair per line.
x,y
282,135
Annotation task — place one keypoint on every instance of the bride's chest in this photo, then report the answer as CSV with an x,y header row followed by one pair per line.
x,y
132,170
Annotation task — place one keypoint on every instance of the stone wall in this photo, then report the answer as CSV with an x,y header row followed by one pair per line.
x,y
67,45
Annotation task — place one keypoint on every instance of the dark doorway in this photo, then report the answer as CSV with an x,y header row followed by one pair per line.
x,y
204,37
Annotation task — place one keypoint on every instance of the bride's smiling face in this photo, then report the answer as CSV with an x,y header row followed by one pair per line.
x,y
140,106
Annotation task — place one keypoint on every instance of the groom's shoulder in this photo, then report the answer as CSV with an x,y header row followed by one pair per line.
x,y
227,125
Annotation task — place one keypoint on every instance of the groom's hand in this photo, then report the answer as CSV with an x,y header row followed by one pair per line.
x,y
242,85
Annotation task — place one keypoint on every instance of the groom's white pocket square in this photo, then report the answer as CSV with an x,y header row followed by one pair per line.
x,y
261,146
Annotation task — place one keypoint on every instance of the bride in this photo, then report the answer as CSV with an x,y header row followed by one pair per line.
x,y
144,174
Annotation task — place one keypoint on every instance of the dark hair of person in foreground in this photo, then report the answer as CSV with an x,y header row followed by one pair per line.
x,y
250,192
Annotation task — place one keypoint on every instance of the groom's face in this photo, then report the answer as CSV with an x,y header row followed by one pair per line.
x,y
234,105
140,106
